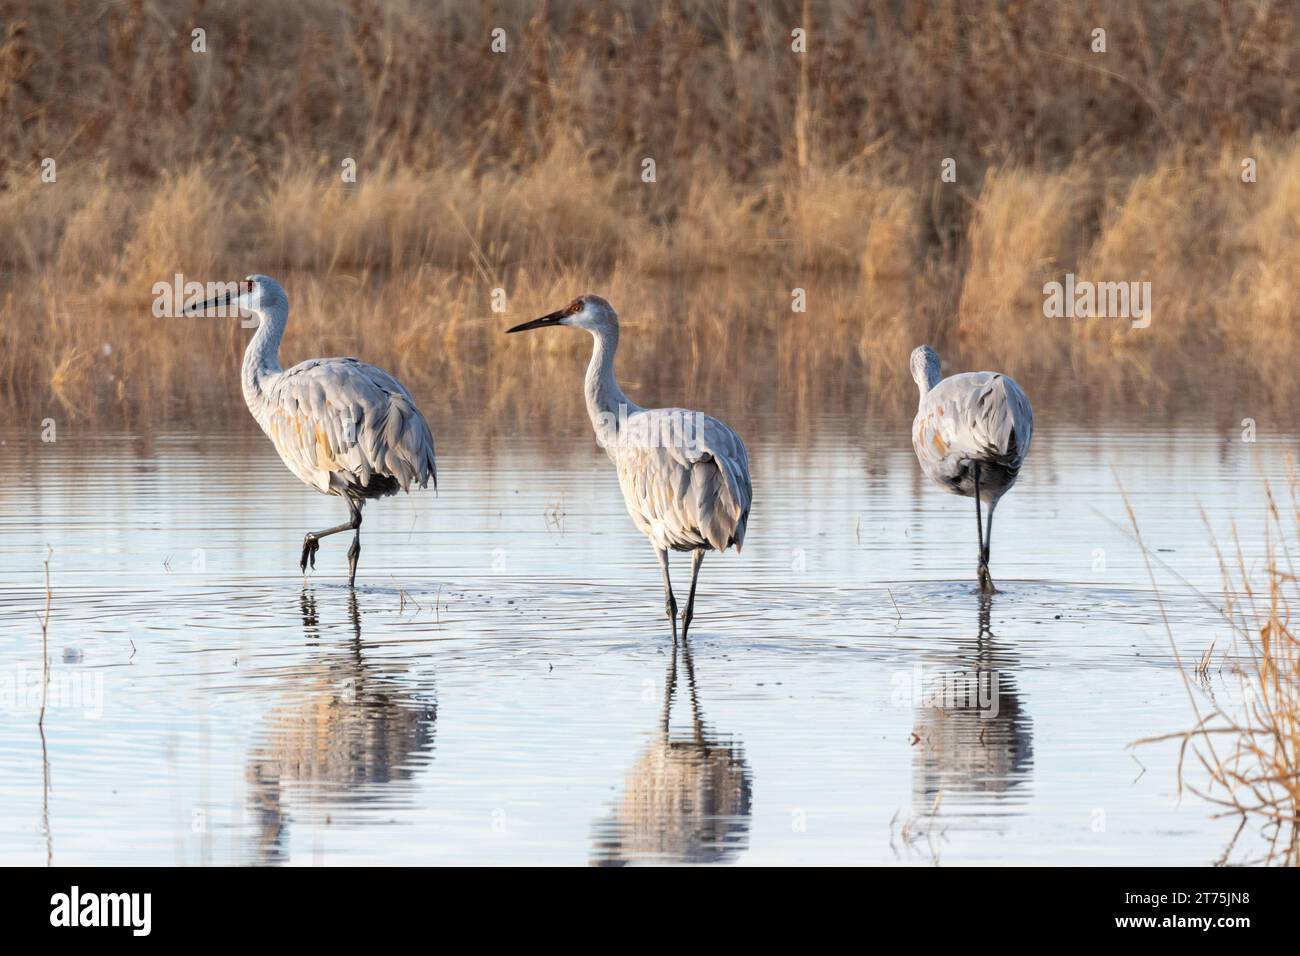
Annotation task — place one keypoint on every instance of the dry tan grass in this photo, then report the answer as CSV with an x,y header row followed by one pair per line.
x,y
401,269
1243,752
700,84
1026,230
774,172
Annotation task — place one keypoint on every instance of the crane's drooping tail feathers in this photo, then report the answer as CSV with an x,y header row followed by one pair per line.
x,y
721,489
715,494
408,455
1004,419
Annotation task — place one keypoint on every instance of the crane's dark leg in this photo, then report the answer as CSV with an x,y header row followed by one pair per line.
x,y
697,558
354,552
988,532
986,581
311,543
670,602
986,578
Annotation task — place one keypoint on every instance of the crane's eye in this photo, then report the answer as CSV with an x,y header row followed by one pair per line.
x,y
574,307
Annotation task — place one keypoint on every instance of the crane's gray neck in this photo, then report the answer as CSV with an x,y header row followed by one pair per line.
x,y
927,379
606,403
262,357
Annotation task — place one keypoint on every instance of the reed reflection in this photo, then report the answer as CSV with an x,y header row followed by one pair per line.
x,y
345,737
972,736
687,798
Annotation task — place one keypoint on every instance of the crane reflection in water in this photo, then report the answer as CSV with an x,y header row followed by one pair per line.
x,y
344,736
687,798
972,738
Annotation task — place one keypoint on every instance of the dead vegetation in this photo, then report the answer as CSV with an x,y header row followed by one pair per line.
x,y
1242,753
774,172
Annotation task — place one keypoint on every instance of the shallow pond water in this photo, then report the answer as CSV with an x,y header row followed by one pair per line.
x,y
502,687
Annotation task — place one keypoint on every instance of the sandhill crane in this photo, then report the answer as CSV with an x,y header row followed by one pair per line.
x,y
971,434
684,475
343,427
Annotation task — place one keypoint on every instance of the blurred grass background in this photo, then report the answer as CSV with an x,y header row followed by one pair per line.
x,y
522,170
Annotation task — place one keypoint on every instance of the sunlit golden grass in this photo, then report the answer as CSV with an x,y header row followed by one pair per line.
x,y
778,176
699,85
401,269
1243,752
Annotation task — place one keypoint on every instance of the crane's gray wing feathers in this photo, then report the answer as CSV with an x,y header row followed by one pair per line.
x,y
685,479
975,416
346,427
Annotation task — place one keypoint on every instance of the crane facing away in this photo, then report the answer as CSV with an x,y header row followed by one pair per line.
x,y
343,427
971,434
684,475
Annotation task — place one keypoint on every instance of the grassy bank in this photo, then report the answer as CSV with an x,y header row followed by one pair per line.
x,y
773,171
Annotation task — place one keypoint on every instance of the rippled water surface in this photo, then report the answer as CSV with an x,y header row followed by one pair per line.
x,y
503,686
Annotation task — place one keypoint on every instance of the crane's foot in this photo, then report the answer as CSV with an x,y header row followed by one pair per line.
x,y
986,580
310,545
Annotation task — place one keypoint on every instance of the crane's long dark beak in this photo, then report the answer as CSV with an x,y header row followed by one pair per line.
x,y
552,319
212,303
